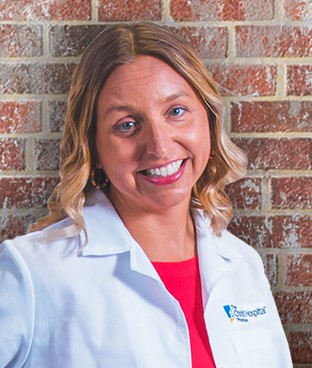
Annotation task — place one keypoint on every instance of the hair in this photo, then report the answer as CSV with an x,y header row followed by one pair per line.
x,y
117,45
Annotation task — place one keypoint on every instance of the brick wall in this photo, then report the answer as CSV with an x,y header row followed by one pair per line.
x,y
260,53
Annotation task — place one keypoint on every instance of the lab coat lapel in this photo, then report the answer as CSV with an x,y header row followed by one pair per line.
x,y
215,260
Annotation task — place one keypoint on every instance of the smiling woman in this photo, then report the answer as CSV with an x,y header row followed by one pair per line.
x,y
133,266
154,143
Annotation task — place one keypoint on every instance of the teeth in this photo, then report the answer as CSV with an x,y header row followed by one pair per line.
x,y
165,171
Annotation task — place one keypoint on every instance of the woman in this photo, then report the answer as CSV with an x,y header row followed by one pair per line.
x,y
133,267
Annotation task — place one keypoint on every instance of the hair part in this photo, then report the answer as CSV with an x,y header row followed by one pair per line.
x,y
117,45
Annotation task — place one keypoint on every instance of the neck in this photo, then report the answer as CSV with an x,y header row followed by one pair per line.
x,y
166,236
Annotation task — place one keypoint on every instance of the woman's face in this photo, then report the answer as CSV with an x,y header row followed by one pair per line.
x,y
152,136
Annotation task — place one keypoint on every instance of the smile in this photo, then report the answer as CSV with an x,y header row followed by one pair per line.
x,y
164,171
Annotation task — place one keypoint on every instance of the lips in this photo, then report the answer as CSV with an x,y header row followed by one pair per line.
x,y
164,171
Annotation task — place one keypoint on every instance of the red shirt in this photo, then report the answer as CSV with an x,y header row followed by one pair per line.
x,y
182,280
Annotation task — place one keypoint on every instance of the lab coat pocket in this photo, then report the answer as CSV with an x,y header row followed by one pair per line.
x,y
253,348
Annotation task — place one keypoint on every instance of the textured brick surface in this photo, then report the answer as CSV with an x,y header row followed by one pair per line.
x,y
294,306
210,42
57,112
12,154
72,40
45,10
301,346
35,78
254,230
298,9
299,80
20,41
295,154
245,193
20,117
245,80
273,41
47,154
26,192
298,270
291,232
212,10
124,10
271,116
292,192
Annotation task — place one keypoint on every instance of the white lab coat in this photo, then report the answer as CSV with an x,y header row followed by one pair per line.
x,y
104,305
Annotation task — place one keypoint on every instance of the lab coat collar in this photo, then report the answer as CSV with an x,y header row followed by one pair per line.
x,y
107,234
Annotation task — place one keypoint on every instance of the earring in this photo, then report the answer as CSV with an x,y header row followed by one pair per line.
x,y
98,179
211,155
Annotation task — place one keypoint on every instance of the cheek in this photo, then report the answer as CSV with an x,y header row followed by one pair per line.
x,y
200,137
114,156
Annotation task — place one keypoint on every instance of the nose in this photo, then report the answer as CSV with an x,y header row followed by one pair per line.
x,y
157,139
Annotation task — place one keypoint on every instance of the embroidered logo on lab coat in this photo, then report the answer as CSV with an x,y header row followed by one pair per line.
x,y
244,314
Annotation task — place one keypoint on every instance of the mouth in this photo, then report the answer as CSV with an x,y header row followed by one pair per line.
x,y
164,171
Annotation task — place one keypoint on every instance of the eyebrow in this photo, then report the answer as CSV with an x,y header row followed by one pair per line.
x,y
130,109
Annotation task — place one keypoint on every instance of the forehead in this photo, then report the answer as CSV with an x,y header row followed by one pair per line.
x,y
147,79
144,71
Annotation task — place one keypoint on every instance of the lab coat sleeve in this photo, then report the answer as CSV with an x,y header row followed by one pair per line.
x,y
16,307
281,353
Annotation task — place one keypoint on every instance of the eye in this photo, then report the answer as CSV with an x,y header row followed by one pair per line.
x,y
177,111
126,126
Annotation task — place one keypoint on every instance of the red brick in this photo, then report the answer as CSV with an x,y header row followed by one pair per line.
x,y
294,306
20,117
20,41
47,153
69,40
299,80
211,10
210,42
267,116
245,193
299,270
26,192
298,9
278,154
36,78
292,231
12,154
273,41
301,346
254,230
124,10
293,192
45,10
57,112
245,80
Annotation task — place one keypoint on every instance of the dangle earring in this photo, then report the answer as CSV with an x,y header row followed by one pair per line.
x,y
98,179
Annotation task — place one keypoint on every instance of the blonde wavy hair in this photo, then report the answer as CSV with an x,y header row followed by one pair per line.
x,y
117,45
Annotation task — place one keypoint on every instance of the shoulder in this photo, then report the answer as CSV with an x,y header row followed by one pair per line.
x,y
40,245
